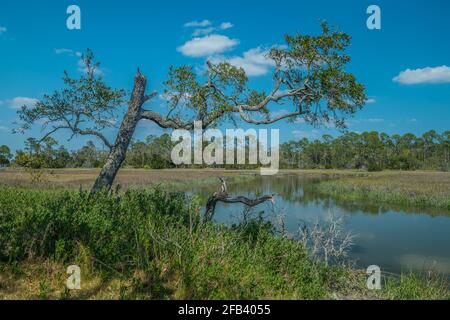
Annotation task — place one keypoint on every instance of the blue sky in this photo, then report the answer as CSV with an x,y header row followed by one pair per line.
x,y
404,66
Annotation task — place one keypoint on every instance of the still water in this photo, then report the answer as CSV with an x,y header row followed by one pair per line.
x,y
398,239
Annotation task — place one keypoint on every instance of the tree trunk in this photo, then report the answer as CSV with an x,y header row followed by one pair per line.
x,y
118,152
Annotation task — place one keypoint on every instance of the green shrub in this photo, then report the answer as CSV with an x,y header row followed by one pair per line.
x,y
37,223
160,233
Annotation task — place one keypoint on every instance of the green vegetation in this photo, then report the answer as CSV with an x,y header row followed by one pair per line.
x,y
416,287
371,151
152,244
418,189
5,156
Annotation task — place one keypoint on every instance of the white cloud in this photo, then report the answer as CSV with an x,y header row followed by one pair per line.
x,y
205,27
207,46
3,29
253,61
63,50
371,101
81,66
203,32
18,102
69,52
203,23
83,69
226,25
5,129
425,75
413,120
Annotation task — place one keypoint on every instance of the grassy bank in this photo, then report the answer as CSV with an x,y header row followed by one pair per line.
x,y
414,189
151,244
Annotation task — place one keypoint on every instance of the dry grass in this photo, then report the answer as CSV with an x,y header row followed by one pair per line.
x,y
46,279
406,182
75,178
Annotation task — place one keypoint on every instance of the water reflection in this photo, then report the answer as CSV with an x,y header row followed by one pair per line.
x,y
300,189
395,238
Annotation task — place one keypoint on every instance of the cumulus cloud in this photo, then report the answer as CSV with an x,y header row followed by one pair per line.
x,y
207,43
203,32
425,75
207,46
203,23
253,61
3,29
205,27
371,101
18,102
226,25
207,23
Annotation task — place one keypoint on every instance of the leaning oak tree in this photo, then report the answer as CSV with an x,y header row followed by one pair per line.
x,y
308,76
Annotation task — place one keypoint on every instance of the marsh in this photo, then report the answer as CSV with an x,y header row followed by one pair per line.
x,y
398,238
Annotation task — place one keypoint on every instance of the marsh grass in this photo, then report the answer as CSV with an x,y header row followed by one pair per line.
x,y
152,244
127,178
413,189
416,286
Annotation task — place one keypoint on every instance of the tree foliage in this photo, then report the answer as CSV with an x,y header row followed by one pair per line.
x,y
309,78
86,106
309,75
5,155
368,150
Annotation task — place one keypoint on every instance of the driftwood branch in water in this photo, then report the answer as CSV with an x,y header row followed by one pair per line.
x,y
222,196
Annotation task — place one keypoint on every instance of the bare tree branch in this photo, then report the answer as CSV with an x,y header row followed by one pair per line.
x,y
222,196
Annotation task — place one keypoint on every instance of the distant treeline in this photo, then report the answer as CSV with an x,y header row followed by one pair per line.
x,y
369,150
